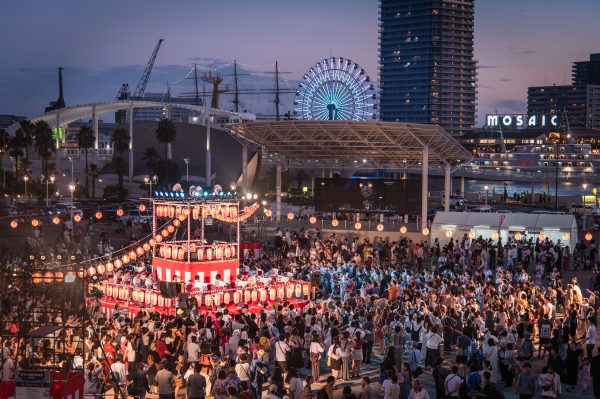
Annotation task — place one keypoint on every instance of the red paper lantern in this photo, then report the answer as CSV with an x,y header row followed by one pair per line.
x,y
48,277
14,224
132,255
59,277
158,238
35,222
164,233
139,251
170,228
142,208
56,220
77,218
200,254
110,267
37,277
176,222
120,212
125,259
101,268
91,270
98,215
118,263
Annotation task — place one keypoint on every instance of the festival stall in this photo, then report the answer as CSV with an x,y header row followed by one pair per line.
x,y
516,226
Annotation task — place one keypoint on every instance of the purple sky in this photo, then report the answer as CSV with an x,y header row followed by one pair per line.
x,y
103,44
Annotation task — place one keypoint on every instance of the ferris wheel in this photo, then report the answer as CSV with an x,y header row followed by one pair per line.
x,y
335,89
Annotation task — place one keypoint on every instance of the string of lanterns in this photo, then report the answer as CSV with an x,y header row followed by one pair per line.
x,y
223,213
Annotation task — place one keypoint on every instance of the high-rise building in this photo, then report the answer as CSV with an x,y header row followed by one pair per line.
x,y
587,72
580,99
427,73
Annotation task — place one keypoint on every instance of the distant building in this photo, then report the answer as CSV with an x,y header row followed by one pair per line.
x,y
7,120
580,99
157,113
427,71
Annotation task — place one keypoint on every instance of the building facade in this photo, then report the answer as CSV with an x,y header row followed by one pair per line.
x,y
427,73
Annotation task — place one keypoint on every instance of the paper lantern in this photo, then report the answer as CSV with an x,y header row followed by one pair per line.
x,y
77,218
167,251
306,290
312,220
91,270
542,237
161,301
56,220
219,252
181,217
269,213
449,233
37,277
471,234
227,298
233,211
380,227
233,251
117,293
208,299
200,254
153,299
164,233
495,235
186,211
289,290
357,225
298,290
109,290
171,212
13,224
290,216
518,236
178,210
227,252
565,236
132,255
280,292
109,267
176,223
118,263
119,212
35,222
146,247
403,230
101,268
209,253
98,215
250,296
142,207
181,253
158,238
425,231
139,251
272,294
262,293
161,251
196,213
237,296
48,277
59,277
170,228
193,247
334,222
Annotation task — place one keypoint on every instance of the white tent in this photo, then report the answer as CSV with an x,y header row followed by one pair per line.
x,y
456,224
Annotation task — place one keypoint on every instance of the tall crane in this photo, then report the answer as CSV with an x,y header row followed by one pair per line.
x,y
141,86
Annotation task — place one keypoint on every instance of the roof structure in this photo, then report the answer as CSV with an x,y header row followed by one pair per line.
x,y
361,144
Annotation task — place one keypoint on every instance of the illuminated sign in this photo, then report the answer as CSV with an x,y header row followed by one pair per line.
x,y
521,121
57,133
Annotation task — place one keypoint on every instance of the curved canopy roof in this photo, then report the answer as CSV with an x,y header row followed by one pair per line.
x,y
361,143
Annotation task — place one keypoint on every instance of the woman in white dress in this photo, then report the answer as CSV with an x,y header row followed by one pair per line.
x,y
490,353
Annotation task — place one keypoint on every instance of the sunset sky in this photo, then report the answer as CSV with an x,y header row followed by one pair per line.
x,y
102,44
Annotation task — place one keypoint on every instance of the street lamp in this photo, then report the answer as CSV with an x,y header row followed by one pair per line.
x,y
150,181
26,179
187,168
48,181
71,189
71,160
487,189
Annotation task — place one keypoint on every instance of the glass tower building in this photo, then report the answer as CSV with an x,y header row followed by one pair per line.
x,y
427,73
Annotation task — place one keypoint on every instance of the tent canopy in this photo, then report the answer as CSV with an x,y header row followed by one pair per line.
x,y
527,221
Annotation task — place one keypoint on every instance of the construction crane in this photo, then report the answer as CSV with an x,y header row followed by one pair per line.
x,y
138,94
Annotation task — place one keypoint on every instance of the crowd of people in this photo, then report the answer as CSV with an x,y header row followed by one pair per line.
x,y
467,317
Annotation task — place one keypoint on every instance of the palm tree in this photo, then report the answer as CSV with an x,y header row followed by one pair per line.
x,y
120,141
92,172
4,140
27,129
151,157
43,143
15,146
165,133
86,140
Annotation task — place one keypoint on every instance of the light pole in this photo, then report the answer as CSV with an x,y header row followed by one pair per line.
x,y
187,168
150,181
48,180
487,189
26,179
71,189
71,160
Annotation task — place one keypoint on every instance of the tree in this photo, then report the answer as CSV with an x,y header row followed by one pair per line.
x,y
15,147
120,141
162,167
43,143
151,157
27,129
92,172
86,140
165,133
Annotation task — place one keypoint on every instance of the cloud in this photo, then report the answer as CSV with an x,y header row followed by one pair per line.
x,y
486,87
487,66
505,80
509,105
528,52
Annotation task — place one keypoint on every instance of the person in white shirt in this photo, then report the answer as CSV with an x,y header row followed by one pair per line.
x,y
315,351
281,350
434,339
417,392
118,372
550,383
590,338
193,350
452,383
